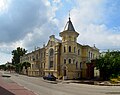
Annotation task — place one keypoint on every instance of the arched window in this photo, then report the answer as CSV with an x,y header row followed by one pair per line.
x,y
51,53
91,55
69,61
69,48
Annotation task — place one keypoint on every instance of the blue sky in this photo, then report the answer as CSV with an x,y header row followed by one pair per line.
x,y
29,23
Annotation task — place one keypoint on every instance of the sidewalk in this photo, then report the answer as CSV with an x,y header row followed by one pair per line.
x,y
9,87
90,82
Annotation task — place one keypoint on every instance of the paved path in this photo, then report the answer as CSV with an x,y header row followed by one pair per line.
x,y
9,87
41,87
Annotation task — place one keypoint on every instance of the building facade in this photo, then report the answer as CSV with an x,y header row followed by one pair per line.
x,y
63,58
37,60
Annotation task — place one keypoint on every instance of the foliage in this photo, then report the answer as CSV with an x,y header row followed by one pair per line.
x,y
114,80
16,58
18,68
26,65
7,67
109,65
10,67
2,67
16,55
119,78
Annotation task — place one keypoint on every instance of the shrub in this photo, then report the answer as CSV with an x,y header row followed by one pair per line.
x,y
114,80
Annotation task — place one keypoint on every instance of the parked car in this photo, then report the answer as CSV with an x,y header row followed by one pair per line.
x,y
50,77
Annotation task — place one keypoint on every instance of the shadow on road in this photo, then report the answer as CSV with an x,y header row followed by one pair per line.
x,y
4,91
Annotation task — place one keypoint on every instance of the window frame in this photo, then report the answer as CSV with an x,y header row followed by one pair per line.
x,y
70,49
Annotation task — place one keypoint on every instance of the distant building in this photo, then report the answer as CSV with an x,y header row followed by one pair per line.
x,y
63,58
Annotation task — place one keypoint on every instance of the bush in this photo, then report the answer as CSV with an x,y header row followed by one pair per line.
x,y
119,78
114,80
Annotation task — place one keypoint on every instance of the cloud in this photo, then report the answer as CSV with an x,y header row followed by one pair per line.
x,y
101,36
27,24
21,18
3,59
40,35
4,5
91,18
56,1
112,13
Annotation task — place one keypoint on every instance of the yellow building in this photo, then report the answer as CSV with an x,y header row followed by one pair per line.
x,y
37,60
63,58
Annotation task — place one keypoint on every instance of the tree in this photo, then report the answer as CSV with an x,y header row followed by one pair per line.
x,y
18,68
109,64
3,67
9,66
16,55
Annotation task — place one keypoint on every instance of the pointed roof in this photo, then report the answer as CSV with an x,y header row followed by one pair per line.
x,y
69,26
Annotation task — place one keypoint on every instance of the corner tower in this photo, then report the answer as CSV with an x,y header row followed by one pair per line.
x,y
69,49
69,33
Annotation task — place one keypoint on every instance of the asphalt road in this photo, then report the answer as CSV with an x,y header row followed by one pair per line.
x,y
41,87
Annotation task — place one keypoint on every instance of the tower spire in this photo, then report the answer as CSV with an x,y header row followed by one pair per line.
x,y
69,26
69,15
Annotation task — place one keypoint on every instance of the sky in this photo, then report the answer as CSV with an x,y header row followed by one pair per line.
x,y
29,23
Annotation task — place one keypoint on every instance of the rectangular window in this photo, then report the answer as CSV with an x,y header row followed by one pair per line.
x,y
78,51
41,55
80,65
64,61
36,56
74,49
69,61
44,65
89,54
64,49
76,65
73,61
69,48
